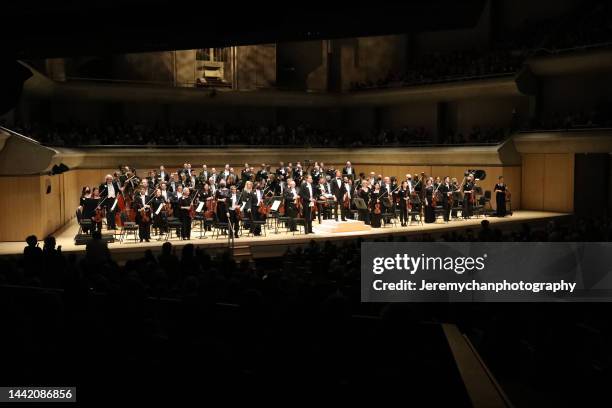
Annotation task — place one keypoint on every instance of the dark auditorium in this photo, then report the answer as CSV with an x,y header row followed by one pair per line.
x,y
409,202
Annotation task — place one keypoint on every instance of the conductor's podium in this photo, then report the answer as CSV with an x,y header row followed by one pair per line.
x,y
333,226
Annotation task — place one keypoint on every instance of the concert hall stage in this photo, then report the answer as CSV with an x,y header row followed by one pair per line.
x,y
275,244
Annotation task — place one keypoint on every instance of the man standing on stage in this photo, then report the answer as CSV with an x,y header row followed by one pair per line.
x,y
110,190
337,187
307,196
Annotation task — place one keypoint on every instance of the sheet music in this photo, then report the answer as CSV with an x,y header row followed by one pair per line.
x,y
159,208
275,205
242,206
114,205
200,206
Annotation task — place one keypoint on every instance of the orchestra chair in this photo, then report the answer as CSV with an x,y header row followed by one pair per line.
x,y
272,218
283,221
457,206
263,226
415,212
128,228
486,202
174,225
200,221
478,207
88,224
219,228
300,225
388,219
439,212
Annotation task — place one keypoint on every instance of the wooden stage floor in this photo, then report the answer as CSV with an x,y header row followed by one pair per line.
x,y
276,244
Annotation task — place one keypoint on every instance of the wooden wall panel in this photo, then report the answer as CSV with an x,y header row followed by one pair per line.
x,y
512,177
532,176
558,184
21,208
548,182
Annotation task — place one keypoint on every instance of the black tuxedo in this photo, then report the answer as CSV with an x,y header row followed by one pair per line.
x,y
109,203
351,175
306,197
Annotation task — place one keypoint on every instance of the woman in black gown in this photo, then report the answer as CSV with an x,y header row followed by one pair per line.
x,y
404,196
500,197
376,207
430,215
364,194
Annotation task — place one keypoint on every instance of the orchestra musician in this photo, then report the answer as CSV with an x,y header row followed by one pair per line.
x,y
349,171
110,191
347,195
500,197
163,175
235,206
143,214
468,196
430,215
160,220
325,199
257,197
184,207
291,194
281,172
308,202
376,207
337,188
404,197
364,194
446,192
222,195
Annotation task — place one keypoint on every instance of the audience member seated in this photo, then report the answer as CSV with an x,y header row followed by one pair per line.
x,y
208,134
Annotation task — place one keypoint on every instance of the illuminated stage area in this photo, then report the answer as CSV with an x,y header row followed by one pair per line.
x,y
276,243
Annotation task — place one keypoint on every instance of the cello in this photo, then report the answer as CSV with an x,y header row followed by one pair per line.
x,y
298,206
192,212
100,212
211,207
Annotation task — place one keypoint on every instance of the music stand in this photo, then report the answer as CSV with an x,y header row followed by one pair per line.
x,y
360,204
